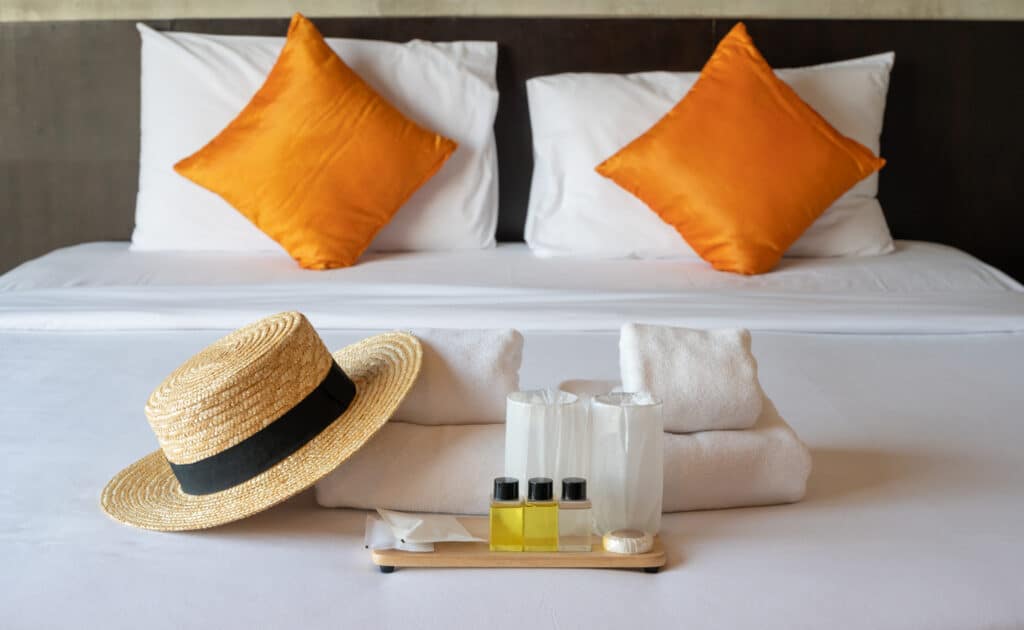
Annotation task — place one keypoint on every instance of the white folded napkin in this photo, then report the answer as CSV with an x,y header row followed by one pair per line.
x,y
450,469
465,377
706,379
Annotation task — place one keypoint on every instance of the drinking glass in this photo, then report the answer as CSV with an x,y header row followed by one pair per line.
x,y
547,434
626,461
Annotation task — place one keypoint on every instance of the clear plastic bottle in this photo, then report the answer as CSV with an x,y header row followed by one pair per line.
x,y
540,520
575,518
506,516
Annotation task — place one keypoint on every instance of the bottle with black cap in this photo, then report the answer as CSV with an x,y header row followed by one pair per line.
x,y
506,515
575,519
540,519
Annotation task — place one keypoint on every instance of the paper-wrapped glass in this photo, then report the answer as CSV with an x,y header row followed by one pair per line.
x,y
626,462
547,434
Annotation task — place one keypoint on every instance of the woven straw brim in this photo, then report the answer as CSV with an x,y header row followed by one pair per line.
x,y
147,494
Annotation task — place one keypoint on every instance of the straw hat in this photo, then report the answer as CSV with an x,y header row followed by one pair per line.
x,y
257,417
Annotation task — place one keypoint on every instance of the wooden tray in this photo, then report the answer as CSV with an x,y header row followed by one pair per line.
x,y
478,555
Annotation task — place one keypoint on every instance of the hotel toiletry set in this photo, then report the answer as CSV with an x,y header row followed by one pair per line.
x,y
612,440
551,435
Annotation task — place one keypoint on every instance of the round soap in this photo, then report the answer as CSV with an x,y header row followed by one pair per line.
x,y
627,541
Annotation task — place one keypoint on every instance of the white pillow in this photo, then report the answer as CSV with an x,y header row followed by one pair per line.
x,y
193,85
579,120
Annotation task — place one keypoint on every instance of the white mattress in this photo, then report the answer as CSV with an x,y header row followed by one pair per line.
x,y
922,288
912,519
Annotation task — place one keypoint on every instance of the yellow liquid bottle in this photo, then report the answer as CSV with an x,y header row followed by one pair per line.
x,y
506,516
540,518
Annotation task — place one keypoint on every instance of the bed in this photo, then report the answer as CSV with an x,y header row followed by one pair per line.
x,y
902,374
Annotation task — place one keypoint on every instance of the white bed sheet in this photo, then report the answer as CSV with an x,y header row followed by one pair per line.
x,y
913,517
914,267
922,288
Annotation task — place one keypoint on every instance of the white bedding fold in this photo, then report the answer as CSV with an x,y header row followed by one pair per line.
x,y
400,306
920,288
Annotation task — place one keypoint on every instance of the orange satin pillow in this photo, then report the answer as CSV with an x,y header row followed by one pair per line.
x,y
740,167
317,159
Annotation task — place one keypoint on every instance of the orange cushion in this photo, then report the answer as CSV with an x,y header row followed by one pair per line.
x,y
317,159
740,167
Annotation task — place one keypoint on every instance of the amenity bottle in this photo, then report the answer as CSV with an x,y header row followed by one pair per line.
x,y
506,515
540,519
575,519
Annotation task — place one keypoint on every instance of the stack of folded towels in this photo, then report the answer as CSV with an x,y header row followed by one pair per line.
x,y
725,443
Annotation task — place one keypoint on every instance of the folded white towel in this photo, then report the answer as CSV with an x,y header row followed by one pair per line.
x,y
762,465
450,468
706,379
465,377
415,468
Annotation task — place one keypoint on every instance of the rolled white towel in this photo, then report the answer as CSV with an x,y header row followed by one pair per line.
x,y
465,377
450,469
706,379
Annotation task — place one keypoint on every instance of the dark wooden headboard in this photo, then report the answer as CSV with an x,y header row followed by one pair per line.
x,y
953,134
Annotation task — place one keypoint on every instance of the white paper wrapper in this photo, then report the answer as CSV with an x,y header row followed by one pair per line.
x,y
626,472
426,528
378,535
547,434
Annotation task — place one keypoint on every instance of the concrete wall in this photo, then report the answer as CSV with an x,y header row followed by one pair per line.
x,y
44,10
